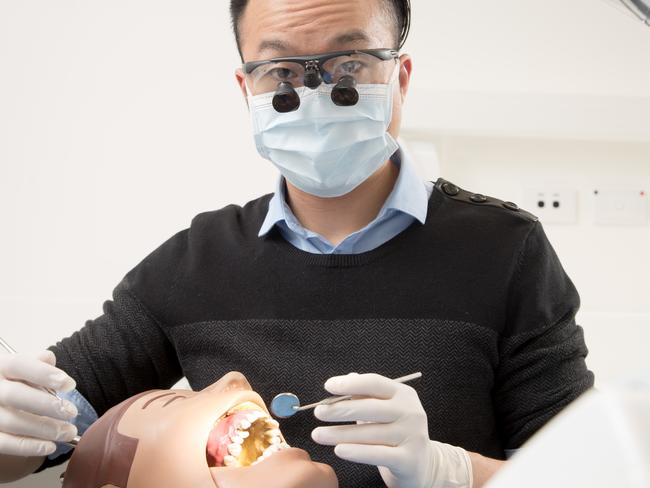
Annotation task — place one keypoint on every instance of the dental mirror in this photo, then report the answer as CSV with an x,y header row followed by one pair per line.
x,y
285,405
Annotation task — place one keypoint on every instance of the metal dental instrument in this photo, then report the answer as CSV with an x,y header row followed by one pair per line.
x,y
11,350
285,405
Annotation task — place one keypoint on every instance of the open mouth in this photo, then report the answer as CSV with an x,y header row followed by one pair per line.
x,y
246,435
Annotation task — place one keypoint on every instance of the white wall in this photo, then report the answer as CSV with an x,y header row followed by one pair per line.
x,y
120,120
555,68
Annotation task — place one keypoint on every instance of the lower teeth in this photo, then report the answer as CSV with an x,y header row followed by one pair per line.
x,y
270,451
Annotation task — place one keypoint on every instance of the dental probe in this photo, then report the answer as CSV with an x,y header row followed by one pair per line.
x,y
285,405
11,350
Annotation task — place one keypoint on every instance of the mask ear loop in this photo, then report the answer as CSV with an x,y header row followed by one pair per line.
x,y
249,92
395,74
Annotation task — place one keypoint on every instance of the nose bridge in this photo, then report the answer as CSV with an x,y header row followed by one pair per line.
x,y
234,380
312,64
313,74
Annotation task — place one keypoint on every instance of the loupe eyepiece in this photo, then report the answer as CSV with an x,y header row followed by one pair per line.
x,y
313,78
286,99
345,94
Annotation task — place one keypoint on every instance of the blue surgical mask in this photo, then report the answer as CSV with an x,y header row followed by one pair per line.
x,y
321,148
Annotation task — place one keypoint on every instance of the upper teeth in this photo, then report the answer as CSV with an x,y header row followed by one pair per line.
x,y
236,439
253,415
234,449
272,436
272,432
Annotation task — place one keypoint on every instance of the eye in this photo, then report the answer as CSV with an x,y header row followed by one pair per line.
x,y
350,67
282,74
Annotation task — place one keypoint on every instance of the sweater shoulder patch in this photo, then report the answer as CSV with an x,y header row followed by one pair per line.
x,y
456,193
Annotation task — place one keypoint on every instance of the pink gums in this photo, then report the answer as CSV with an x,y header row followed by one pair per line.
x,y
219,439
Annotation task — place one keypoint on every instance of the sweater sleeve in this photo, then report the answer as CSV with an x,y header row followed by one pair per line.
x,y
126,350
542,351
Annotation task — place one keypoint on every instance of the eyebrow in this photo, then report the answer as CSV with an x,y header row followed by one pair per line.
x,y
156,398
177,397
273,45
352,36
279,46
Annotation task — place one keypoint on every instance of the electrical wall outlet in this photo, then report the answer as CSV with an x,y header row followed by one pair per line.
x,y
620,206
552,205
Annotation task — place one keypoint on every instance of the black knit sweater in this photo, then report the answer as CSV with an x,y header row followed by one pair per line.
x,y
475,298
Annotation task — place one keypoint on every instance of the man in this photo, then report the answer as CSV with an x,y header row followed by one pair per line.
x,y
354,264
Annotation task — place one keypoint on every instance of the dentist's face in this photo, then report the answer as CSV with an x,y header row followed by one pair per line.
x,y
274,28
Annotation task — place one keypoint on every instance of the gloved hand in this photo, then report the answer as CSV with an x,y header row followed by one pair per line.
x,y
391,433
30,418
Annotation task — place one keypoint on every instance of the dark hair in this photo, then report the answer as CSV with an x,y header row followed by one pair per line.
x,y
401,10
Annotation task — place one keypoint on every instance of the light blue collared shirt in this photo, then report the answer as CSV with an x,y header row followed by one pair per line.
x,y
407,203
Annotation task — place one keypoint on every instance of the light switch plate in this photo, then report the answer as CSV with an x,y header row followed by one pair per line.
x,y
553,205
621,206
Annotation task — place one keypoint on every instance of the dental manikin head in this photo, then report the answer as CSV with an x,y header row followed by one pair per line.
x,y
179,438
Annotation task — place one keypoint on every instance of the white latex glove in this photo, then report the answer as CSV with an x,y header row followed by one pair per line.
x,y
391,433
30,418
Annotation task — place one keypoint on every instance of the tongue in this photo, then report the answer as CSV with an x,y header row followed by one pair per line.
x,y
217,448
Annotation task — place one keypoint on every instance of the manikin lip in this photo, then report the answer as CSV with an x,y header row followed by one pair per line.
x,y
284,458
255,402
245,395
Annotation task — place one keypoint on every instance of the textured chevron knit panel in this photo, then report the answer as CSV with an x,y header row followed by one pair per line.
x,y
475,298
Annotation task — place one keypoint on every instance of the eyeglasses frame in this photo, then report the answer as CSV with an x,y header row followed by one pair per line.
x,y
383,54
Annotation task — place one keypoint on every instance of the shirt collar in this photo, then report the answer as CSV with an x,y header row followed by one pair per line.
x,y
409,196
